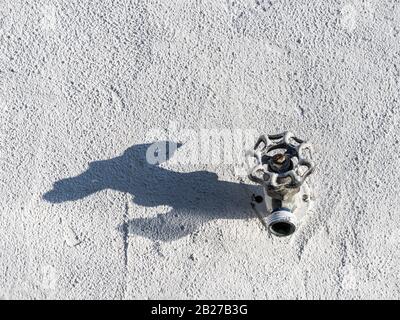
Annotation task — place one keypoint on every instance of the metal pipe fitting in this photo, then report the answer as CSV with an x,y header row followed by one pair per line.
x,y
282,164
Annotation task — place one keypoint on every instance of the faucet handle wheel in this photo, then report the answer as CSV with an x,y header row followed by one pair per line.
x,y
282,161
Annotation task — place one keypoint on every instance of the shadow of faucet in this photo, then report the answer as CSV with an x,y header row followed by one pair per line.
x,y
194,197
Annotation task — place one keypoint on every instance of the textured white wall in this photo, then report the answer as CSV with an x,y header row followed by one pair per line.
x,y
82,83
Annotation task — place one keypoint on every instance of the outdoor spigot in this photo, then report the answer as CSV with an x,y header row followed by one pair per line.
x,y
282,164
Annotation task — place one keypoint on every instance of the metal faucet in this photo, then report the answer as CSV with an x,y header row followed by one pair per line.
x,y
282,164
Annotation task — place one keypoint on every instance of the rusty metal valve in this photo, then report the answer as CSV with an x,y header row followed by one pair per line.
x,y
282,164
